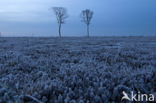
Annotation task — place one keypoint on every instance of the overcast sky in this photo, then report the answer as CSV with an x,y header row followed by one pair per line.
x,y
111,17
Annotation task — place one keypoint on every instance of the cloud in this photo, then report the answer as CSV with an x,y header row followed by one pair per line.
x,y
25,10
37,10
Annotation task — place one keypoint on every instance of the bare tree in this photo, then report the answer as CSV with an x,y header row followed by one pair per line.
x,y
61,15
86,16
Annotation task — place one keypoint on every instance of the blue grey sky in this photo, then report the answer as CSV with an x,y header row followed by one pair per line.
x,y
111,17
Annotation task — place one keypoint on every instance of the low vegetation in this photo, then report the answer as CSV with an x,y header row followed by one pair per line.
x,y
75,70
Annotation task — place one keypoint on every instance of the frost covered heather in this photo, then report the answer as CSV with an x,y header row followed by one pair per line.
x,y
76,70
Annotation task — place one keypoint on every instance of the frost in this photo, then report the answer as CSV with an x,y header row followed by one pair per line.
x,y
75,70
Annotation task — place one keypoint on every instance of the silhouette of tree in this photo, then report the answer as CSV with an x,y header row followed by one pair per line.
x,y
61,15
86,16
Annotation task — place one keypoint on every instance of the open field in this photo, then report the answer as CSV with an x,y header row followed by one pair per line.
x,y
76,70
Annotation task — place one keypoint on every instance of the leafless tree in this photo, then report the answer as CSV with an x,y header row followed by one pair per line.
x,y
61,15
86,16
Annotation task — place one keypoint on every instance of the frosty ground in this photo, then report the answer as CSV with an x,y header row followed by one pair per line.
x,y
76,70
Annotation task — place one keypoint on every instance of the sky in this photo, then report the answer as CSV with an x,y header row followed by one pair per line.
x,y
111,17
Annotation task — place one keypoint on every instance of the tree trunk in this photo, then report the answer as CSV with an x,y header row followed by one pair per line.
x,y
87,30
59,30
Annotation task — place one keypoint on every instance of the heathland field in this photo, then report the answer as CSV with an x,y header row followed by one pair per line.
x,y
76,70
